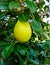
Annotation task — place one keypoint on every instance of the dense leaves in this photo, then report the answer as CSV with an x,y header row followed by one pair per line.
x,y
34,52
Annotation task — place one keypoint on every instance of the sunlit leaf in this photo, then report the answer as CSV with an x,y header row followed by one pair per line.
x,y
36,25
7,51
13,5
31,5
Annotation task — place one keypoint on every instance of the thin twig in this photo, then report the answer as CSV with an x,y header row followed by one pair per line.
x,y
22,6
44,13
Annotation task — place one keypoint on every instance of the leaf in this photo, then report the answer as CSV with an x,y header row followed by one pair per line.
x,y
43,53
1,61
20,57
33,53
21,49
48,42
10,60
3,44
7,51
24,17
2,15
34,61
13,5
36,26
43,45
22,62
16,53
38,46
3,5
31,5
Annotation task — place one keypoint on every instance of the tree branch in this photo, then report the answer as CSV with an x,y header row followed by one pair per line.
x,y
44,13
22,7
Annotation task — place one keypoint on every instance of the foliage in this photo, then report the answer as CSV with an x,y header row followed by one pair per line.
x,y
34,52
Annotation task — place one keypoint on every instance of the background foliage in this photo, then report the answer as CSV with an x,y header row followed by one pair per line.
x,y
37,50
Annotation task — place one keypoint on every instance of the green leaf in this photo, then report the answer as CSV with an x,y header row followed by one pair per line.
x,y
20,57
2,15
3,44
16,53
24,17
21,49
7,51
10,60
48,42
39,46
1,61
33,53
36,26
22,61
31,5
34,61
14,5
43,45
43,53
3,5
10,23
